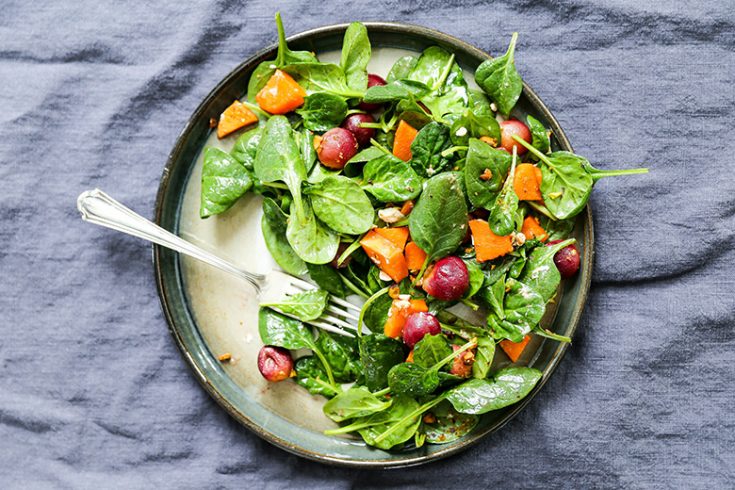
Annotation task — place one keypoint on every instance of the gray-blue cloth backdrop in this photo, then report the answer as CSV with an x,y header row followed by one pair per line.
x,y
93,391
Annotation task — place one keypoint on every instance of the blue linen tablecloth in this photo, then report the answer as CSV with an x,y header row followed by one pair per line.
x,y
93,392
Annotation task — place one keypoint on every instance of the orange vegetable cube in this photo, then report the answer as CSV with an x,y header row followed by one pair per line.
x,y
235,117
385,254
488,245
398,236
514,349
405,135
281,94
532,229
527,182
415,257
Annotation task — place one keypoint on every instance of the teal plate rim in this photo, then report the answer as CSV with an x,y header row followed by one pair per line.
x,y
171,290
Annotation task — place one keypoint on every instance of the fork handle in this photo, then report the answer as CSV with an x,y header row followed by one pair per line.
x,y
99,208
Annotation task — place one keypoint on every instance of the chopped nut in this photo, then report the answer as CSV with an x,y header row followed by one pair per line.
x,y
493,107
517,239
461,132
429,418
225,357
468,358
394,291
391,215
486,174
407,207
212,122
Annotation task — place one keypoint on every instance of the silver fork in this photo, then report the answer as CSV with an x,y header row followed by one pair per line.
x,y
99,208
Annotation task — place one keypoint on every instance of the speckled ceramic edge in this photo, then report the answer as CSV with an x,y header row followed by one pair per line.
x,y
195,360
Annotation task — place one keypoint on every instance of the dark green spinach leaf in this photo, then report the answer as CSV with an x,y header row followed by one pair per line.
x,y
327,278
523,308
306,306
322,77
401,68
378,355
483,357
282,331
224,181
438,223
508,386
411,379
431,350
540,272
342,354
500,80
355,56
485,161
322,111
342,205
313,242
502,217
311,375
390,179
427,148
273,226
246,147
539,135
356,402
395,91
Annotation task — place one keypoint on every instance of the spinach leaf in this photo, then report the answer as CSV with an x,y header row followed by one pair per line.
x,y
376,313
483,357
246,147
390,179
342,354
448,90
523,308
430,350
450,425
353,167
401,68
402,419
427,148
500,80
378,355
323,77
539,135
282,331
411,379
319,173
311,375
306,306
273,226
540,272
567,180
285,56
327,278
493,293
395,91
342,205
356,402
480,104
471,125
485,161
305,140
311,241
438,223
279,158
557,229
507,387
477,278
355,56
502,217
224,180
322,111
565,185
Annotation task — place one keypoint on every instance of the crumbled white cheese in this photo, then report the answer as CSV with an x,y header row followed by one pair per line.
x,y
391,215
461,132
384,277
493,107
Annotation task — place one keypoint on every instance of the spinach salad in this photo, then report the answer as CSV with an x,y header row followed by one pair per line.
x,y
415,192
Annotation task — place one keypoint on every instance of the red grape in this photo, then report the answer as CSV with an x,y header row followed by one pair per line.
x,y
508,129
352,124
336,147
